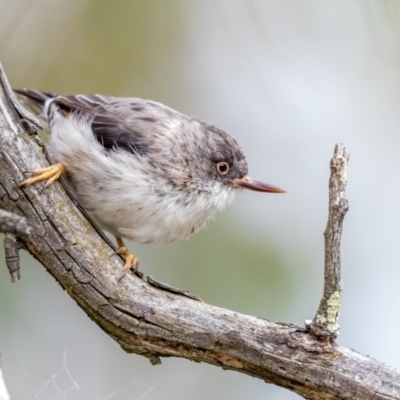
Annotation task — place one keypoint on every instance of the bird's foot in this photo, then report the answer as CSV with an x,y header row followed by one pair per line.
x,y
51,174
131,262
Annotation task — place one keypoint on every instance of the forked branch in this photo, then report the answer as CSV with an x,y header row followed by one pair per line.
x,y
155,322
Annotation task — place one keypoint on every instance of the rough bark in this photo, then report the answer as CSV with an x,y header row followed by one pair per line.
x,y
13,223
155,322
326,321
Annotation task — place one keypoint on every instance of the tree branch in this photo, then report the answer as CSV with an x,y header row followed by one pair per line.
x,y
13,223
155,322
325,323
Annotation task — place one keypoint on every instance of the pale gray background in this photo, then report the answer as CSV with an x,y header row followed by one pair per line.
x,y
288,79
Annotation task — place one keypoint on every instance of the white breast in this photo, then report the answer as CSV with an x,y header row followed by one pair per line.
x,y
123,192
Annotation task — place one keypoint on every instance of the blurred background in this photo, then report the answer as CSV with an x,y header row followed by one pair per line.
x,y
288,79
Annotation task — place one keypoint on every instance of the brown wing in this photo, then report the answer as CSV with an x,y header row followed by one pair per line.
x,y
118,123
124,123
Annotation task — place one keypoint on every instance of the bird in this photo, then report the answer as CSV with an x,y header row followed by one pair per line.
x,y
142,171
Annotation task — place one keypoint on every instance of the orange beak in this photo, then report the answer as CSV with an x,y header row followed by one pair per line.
x,y
249,183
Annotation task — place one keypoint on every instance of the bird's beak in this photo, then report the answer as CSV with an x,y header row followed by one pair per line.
x,y
248,183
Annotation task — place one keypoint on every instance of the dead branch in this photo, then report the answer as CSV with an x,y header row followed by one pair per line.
x,y
153,321
13,223
325,323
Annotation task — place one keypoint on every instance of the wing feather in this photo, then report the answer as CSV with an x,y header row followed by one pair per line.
x,y
130,124
115,123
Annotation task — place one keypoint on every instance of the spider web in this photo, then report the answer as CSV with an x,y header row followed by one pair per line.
x,y
63,386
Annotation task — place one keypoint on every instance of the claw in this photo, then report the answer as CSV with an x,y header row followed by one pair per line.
x,y
131,262
51,174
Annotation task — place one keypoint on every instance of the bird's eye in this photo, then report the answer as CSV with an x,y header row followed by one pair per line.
x,y
222,168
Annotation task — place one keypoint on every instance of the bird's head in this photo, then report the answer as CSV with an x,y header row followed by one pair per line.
x,y
219,161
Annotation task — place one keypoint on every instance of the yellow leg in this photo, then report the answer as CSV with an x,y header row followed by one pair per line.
x,y
51,174
130,260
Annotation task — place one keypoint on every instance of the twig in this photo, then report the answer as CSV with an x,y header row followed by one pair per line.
x,y
30,123
325,323
11,250
157,323
13,223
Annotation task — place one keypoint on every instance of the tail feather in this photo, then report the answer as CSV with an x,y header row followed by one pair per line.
x,y
35,100
35,95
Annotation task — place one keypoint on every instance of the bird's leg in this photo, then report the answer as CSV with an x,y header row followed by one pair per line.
x,y
51,174
130,259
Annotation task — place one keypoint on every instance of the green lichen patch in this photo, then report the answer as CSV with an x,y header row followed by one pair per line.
x,y
330,318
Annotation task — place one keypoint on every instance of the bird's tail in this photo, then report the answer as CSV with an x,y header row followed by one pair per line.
x,y
35,100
